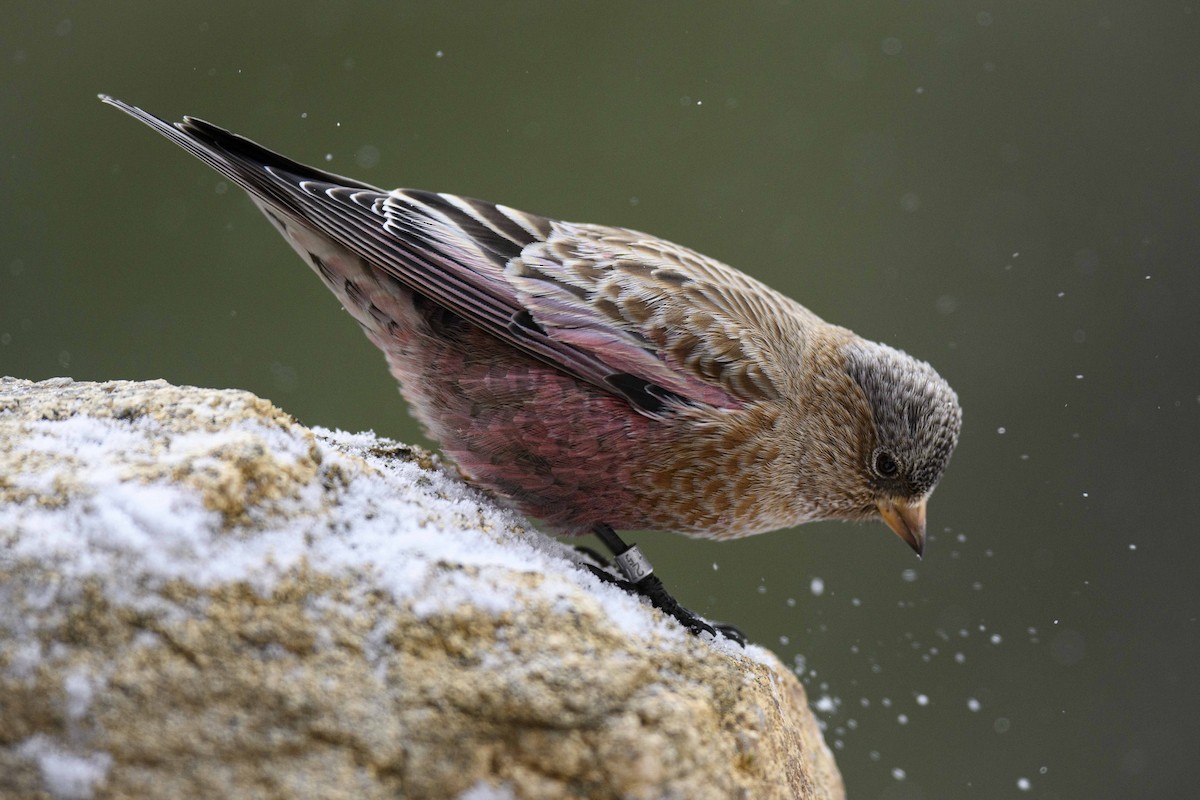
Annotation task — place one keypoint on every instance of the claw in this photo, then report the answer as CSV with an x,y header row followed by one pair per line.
x,y
731,632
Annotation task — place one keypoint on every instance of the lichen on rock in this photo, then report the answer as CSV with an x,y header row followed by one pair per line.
x,y
200,597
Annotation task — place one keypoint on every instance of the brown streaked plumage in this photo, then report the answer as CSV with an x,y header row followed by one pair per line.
x,y
598,376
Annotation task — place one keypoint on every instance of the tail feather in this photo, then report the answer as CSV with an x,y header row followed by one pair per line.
x,y
251,166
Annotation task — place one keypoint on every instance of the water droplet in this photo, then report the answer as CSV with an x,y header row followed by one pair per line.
x,y
367,156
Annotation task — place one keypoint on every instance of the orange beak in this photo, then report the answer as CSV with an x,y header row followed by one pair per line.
x,y
908,521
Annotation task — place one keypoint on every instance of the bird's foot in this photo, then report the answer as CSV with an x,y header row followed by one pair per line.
x,y
652,589
641,580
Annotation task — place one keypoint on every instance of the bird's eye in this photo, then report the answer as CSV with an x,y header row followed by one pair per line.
x,y
885,465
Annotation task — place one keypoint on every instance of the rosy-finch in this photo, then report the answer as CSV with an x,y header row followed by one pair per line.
x,y
601,378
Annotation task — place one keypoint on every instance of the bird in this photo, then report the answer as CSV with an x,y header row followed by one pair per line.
x,y
600,379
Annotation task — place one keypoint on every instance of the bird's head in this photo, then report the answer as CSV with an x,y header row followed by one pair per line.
x,y
908,427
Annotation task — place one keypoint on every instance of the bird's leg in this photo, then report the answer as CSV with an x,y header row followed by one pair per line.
x,y
640,579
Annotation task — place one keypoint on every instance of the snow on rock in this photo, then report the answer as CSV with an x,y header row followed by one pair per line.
x,y
200,597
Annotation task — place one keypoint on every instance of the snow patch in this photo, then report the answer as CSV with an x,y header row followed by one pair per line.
x,y
66,775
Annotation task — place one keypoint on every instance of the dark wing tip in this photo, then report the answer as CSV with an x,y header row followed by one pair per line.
x,y
171,130
108,99
229,152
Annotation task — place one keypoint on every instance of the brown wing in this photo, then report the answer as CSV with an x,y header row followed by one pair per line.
x,y
635,315
702,318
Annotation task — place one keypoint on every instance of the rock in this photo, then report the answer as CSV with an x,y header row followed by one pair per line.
x,y
200,597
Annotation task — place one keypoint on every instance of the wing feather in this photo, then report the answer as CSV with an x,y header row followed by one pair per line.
x,y
634,315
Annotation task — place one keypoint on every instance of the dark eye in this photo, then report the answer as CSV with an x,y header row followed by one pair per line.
x,y
885,465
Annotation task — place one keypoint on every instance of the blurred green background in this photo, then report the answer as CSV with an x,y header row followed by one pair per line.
x,y
1010,190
